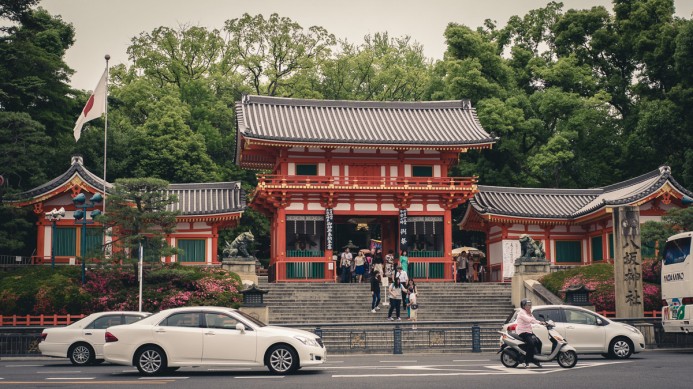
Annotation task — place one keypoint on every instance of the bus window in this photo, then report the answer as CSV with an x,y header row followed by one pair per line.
x,y
676,251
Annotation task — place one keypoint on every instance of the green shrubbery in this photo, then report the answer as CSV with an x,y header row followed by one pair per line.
x,y
39,290
600,277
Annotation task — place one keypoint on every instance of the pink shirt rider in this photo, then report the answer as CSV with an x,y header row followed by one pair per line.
x,y
524,322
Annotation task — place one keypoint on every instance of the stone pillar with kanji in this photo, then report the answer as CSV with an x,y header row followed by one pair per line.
x,y
629,297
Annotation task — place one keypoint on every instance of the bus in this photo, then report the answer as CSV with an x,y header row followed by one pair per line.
x,y
677,284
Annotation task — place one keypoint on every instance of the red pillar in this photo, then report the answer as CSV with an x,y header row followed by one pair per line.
x,y
281,244
447,249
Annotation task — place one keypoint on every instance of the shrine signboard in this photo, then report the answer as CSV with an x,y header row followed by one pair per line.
x,y
628,262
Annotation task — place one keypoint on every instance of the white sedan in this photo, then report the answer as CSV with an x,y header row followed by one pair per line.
x,y
82,341
587,331
217,336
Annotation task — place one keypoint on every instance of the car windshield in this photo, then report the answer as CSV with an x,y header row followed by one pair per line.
x,y
251,319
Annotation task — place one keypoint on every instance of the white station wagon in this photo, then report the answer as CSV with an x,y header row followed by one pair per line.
x,y
217,336
82,341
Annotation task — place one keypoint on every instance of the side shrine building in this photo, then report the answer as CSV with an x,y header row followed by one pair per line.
x,y
357,174
204,209
574,225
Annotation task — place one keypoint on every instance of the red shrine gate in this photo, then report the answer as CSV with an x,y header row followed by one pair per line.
x,y
339,167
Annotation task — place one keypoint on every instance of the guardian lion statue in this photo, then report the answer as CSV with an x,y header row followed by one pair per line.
x,y
532,251
239,246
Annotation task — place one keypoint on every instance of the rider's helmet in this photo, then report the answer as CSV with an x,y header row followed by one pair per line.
x,y
525,302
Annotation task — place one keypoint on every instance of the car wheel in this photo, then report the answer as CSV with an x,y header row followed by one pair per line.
x,y
151,360
509,358
621,348
282,359
81,354
567,359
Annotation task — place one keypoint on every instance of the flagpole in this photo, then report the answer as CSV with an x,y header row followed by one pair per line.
x,y
105,136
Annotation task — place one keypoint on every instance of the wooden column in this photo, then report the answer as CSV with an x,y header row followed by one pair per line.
x,y
447,241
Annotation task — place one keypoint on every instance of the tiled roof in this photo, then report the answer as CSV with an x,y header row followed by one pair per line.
x,y
569,203
434,123
193,199
207,198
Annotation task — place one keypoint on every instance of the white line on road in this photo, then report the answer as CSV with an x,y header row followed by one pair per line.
x,y
70,378
398,361
163,378
471,360
276,376
60,372
25,365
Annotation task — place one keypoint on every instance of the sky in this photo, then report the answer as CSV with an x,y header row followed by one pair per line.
x,y
108,26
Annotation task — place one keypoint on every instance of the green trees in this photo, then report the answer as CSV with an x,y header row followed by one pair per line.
x,y
579,98
136,214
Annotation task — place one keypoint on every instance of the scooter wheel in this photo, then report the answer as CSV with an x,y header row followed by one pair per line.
x,y
509,358
567,359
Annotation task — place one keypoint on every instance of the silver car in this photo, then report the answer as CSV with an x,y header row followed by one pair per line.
x,y
587,331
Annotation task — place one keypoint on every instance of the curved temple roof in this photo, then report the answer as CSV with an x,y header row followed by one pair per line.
x,y
194,199
435,123
569,203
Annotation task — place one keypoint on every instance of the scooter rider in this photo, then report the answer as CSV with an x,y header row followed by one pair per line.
x,y
524,330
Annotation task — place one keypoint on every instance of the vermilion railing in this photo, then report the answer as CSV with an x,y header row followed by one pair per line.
x,y
365,182
38,320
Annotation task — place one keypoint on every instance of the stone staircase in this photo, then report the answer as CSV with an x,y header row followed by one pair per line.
x,y
342,311
320,303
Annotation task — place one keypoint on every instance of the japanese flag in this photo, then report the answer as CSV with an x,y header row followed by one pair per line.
x,y
95,107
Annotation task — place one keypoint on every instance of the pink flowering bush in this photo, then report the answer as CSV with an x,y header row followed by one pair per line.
x,y
599,277
40,290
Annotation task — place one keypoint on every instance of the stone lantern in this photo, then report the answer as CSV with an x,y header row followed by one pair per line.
x,y
578,295
254,304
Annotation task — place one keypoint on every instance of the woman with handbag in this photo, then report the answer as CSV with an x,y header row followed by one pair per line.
x,y
414,309
394,291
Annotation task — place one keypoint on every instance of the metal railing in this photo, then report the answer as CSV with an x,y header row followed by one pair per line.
x,y
271,181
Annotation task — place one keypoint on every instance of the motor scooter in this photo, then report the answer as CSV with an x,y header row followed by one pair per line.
x,y
512,354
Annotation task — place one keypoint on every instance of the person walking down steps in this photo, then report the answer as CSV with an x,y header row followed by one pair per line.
x,y
375,290
395,293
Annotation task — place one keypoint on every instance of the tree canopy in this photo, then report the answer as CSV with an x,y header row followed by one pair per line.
x,y
578,98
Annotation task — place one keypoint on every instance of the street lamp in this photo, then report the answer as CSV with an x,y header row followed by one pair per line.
x,y
54,216
80,216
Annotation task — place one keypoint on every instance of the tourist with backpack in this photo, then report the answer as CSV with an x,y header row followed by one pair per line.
x,y
375,290
394,292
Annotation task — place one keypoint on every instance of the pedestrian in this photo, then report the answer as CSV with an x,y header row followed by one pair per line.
x,y
482,273
404,260
376,279
411,289
345,265
462,264
403,278
413,307
394,291
378,261
359,267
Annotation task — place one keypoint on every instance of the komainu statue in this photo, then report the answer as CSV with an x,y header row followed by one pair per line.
x,y
532,251
239,246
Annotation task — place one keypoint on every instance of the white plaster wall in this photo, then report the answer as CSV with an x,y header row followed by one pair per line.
x,y
48,233
335,170
495,230
534,228
416,207
559,229
407,170
393,171
584,253
365,207
315,207
321,169
295,207
388,207
209,252
495,253
436,171
292,168
434,207
343,207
